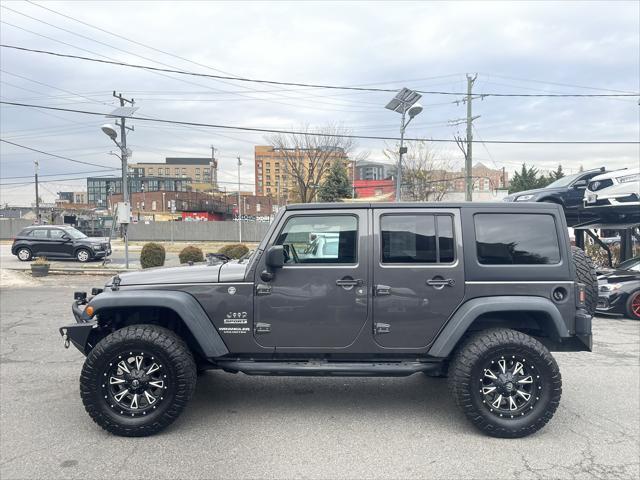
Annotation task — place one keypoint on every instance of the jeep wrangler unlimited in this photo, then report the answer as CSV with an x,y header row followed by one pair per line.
x,y
477,292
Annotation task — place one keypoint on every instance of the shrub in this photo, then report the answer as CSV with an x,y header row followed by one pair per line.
x,y
191,254
152,255
234,250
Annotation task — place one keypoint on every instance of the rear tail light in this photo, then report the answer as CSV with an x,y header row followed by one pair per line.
x,y
581,295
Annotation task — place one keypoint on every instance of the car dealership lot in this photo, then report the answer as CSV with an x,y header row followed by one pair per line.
x,y
273,427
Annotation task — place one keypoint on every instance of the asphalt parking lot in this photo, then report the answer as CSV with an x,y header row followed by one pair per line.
x,y
269,427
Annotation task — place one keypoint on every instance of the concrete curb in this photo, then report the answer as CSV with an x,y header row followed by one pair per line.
x,y
75,271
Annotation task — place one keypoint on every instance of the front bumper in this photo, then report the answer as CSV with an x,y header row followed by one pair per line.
x,y
78,334
611,304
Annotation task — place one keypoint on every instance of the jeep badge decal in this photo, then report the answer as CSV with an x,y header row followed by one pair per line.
x,y
231,290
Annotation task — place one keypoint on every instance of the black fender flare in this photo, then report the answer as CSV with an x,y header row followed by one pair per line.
x,y
184,305
460,322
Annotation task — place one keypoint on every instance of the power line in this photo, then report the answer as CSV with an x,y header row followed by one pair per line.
x,y
58,174
329,135
309,85
53,154
154,70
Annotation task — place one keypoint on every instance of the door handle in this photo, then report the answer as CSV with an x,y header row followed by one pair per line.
x,y
439,282
381,290
348,283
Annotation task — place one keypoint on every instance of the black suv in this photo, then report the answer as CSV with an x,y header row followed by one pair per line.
x,y
58,241
567,191
477,292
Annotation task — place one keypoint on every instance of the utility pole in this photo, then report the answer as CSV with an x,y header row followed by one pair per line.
x,y
125,170
36,165
469,156
239,204
468,143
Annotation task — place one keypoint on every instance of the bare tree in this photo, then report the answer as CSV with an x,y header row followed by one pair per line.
x,y
308,156
426,173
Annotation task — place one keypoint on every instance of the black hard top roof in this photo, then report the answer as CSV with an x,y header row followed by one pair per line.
x,y
351,205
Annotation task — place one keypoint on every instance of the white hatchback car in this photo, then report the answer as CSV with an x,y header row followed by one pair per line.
x,y
620,188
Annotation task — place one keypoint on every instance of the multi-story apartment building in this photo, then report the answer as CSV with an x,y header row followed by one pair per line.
x,y
199,170
272,171
100,190
374,170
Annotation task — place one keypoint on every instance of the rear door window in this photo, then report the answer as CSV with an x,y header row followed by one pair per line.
x,y
417,238
516,239
39,233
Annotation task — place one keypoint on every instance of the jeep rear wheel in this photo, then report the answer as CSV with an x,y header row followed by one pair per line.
x,y
586,274
137,380
507,383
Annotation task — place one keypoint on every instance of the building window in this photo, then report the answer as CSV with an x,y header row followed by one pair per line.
x,y
197,171
150,171
166,172
177,172
257,207
153,205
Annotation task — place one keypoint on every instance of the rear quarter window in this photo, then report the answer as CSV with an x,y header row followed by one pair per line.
x,y
516,239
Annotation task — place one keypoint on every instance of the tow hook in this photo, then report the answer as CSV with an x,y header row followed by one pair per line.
x,y
66,339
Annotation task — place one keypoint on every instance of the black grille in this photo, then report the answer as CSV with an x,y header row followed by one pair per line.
x,y
596,185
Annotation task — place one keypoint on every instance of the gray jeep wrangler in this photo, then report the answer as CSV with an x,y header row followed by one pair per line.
x,y
478,293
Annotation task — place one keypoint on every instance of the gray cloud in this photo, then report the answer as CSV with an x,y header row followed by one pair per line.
x,y
419,45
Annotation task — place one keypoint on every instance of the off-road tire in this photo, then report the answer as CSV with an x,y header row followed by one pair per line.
x,y
25,258
180,371
82,258
633,297
466,373
586,273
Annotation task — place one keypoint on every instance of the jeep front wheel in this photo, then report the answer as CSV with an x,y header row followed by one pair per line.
x,y
137,380
507,383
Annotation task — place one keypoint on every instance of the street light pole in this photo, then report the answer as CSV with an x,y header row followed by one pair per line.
x,y
239,204
404,103
36,165
399,169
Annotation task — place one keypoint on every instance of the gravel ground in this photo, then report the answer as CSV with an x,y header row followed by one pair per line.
x,y
283,427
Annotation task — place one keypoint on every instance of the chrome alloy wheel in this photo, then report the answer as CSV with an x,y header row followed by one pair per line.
x,y
82,255
134,384
510,386
24,254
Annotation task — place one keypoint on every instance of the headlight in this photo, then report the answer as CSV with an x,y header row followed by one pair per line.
x,y
97,247
610,287
524,198
629,178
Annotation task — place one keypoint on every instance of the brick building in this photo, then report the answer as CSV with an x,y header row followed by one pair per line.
x,y
272,175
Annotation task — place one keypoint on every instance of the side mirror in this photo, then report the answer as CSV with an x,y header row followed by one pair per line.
x,y
66,237
275,256
580,184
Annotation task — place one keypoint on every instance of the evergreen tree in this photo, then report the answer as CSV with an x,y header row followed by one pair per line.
x,y
525,179
336,185
557,175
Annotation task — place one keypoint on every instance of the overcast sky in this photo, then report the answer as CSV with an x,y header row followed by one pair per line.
x,y
515,47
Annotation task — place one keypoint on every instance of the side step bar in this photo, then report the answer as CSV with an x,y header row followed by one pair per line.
x,y
319,368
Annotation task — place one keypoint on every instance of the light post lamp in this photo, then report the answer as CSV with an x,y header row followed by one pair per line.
x,y
239,204
111,132
405,104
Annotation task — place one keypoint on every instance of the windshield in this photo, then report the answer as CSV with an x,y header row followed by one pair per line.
x,y
564,181
632,264
73,233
